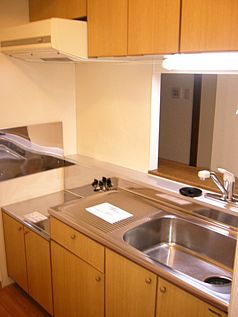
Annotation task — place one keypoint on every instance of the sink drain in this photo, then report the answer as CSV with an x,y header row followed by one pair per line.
x,y
218,280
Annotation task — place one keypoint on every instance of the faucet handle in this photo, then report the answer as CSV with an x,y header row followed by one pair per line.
x,y
204,174
227,176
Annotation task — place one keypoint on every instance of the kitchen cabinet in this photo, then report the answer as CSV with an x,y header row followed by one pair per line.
x,y
78,272
77,243
107,27
44,9
173,302
15,251
39,269
153,26
208,25
133,27
130,289
78,287
28,261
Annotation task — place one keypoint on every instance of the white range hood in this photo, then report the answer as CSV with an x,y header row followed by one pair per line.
x,y
55,39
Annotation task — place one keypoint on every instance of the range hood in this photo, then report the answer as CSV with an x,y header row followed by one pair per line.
x,y
55,39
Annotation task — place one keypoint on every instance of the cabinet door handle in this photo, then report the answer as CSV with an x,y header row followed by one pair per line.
x,y
73,236
162,289
214,312
148,280
19,229
98,278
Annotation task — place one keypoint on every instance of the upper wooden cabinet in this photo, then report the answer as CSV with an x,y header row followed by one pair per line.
x,y
209,25
107,28
133,27
44,9
153,26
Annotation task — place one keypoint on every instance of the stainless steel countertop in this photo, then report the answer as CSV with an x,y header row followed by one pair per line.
x,y
75,216
40,204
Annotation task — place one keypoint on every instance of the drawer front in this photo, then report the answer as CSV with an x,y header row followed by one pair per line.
x,y
82,246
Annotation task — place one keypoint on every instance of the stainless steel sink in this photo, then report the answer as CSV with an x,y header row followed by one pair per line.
x,y
200,251
219,216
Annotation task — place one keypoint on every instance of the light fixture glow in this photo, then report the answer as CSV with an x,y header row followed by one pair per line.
x,y
202,62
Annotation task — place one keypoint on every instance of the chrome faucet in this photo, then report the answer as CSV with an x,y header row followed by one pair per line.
x,y
227,189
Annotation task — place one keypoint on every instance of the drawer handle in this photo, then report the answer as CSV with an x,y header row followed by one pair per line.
x,y
73,236
148,280
98,278
162,289
215,312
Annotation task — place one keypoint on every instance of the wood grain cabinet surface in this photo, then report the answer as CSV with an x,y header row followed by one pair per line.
x,y
130,289
153,26
209,25
174,302
78,287
44,9
39,269
87,249
15,251
133,27
28,261
107,27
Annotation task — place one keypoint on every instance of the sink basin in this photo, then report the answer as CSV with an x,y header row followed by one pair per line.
x,y
197,250
219,216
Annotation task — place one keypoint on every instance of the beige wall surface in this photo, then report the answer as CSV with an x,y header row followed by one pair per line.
x,y
113,113
33,93
206,122
176,117
225,135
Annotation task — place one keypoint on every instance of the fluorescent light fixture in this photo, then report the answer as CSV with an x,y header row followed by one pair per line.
x,y
202,62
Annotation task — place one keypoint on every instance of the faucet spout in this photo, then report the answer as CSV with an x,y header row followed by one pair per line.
x,y
219,184
227,189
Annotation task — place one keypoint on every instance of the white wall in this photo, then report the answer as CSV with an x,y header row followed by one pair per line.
x,y
113,113
30,94
206,122
176,117
225,135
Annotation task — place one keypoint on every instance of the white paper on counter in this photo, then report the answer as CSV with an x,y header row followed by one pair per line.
x,y
109,212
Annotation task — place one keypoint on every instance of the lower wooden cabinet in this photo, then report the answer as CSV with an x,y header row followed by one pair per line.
x,y
39,269
15,251
174,302
28,261
130,289
78,287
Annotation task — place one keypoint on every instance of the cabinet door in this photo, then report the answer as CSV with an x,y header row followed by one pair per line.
x,y
39,269
174,302
130,289
153,26
44,9
107,27
209,25
15,251
77,243
78,287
